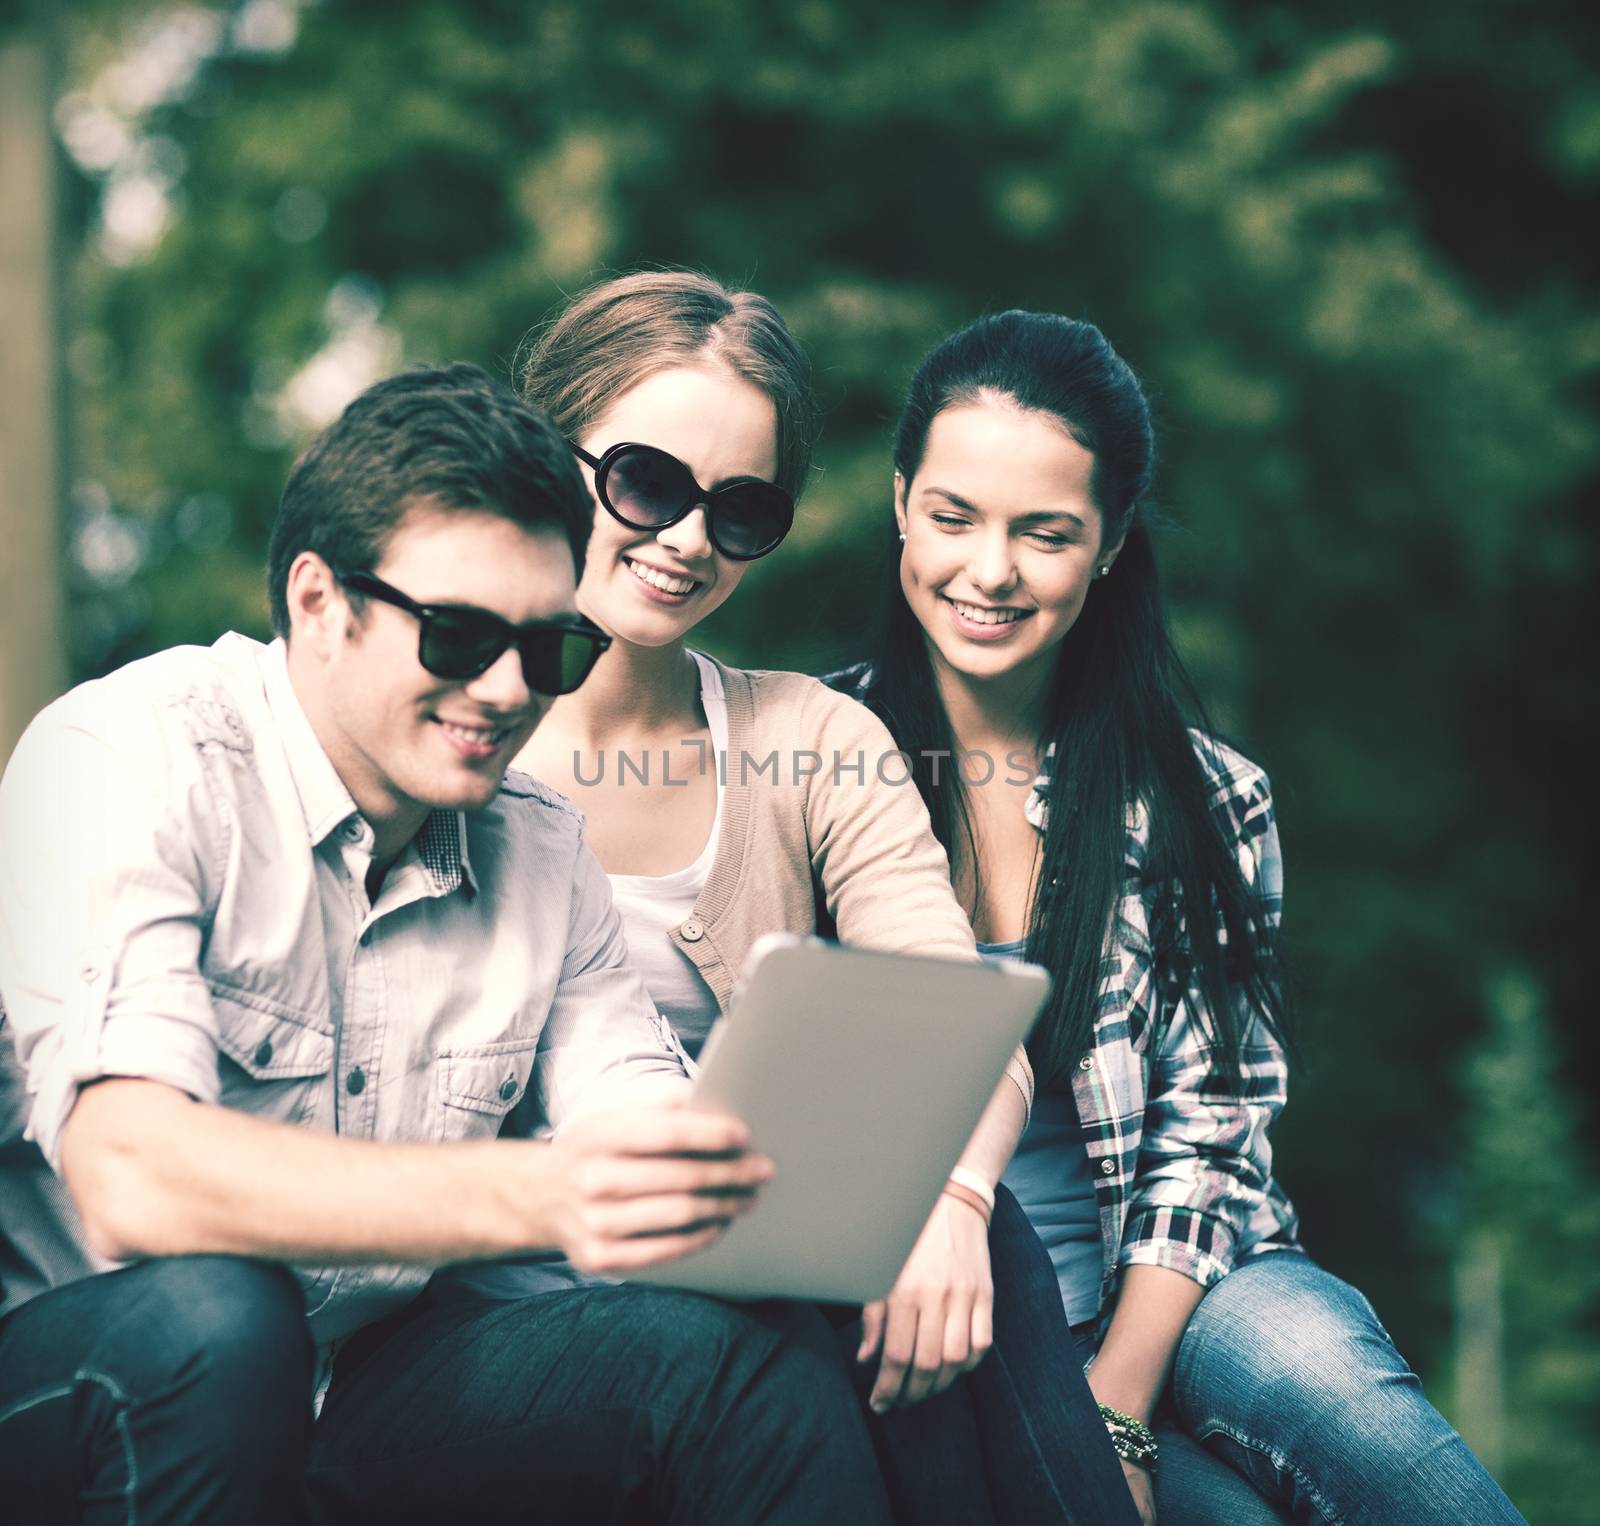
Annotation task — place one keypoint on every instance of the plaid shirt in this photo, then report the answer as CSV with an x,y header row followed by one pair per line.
x,y
1180,1158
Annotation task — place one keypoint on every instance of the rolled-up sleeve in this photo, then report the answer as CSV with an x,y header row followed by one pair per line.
x,y
603,1034
1207,1160
102,906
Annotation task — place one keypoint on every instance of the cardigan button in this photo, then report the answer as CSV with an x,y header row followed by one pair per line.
x,y
692,931
1108,1167
1086,1063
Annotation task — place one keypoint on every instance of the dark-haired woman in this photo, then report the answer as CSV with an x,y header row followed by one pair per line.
x,y
1026,668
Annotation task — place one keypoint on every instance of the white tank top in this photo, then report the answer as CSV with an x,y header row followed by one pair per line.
x,y
651,905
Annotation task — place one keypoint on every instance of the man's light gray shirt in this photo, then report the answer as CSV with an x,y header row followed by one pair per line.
x,y
182,899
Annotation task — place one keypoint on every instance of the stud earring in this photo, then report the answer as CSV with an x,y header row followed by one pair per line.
x,y
1104,571
902,537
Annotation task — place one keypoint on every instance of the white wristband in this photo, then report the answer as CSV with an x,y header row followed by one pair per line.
x,y
974,1183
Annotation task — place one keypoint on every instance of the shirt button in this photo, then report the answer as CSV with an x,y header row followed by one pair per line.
x,y
508,1089
1108,1167
1086,1063
90,971
352,830
264,1052
355,1083
692,931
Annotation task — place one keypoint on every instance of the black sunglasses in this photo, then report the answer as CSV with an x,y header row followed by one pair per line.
x,y
458,641
647,489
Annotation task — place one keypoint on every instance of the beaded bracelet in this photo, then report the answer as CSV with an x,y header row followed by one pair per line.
x,y
1132,1440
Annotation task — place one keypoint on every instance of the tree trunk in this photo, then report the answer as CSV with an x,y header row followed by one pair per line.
x,y
1480,1407
33,668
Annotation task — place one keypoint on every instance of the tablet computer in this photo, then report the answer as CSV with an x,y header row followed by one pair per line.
x,y
862,1075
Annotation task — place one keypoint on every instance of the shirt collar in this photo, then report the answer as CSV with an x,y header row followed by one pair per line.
x,y
1036,807
442,850
442,842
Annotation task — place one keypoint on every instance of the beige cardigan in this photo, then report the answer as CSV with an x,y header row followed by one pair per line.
x,y
816,800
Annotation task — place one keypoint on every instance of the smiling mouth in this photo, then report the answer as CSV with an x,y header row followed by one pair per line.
x,y
474,741
663,582
980,614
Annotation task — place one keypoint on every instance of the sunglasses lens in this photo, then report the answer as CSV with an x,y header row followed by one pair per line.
x,y
462,645
750,519
556,660
646,488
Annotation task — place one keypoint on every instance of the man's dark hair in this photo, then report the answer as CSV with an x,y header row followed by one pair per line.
x,y
448,434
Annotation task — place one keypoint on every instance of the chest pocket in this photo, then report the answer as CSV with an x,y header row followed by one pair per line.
x,y
479,1085
273,1064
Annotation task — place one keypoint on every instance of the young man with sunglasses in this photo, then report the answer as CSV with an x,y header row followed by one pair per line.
x,y
297,977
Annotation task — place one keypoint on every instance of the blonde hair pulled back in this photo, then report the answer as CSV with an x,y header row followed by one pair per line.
x,y
615,334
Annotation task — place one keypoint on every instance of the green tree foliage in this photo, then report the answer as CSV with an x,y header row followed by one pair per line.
x,y
1533,1217
1372,350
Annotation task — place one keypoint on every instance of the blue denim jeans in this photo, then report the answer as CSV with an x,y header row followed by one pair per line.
x,y
599,1403
179,1390
676,1427
1285,1374
176,1390
1019,1439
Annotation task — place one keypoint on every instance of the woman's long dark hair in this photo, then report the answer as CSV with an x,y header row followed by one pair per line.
x,y
1117,712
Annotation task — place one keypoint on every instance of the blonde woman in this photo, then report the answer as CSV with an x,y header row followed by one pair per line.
x,y
715,805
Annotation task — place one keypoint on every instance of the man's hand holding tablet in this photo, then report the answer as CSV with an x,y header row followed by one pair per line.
x,y
861,1075
648,1184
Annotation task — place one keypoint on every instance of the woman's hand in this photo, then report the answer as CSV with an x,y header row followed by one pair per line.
x,y
1130,1371
938,1321
1143,1489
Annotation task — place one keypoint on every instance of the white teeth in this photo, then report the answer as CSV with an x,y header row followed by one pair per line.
x,y
477,735
662,580
986,616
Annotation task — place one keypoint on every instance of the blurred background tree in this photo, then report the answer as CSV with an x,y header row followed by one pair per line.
x,y
1353,257
1529,1243
32,652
